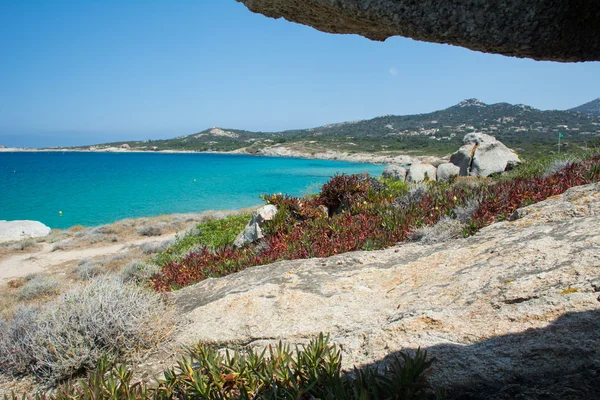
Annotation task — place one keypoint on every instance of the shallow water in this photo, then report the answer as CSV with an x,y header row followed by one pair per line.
x,y
98,188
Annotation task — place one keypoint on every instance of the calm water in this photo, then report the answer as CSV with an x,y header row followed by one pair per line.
x,y
96,188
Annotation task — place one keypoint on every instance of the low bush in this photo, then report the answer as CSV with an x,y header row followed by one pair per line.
x,y
139,272
94,238
23,244
30,276
62,245
149,230
87,269
38,286
15,283
558,165
445,229
104,230
156,247
116,257
465,212
307,372
104,317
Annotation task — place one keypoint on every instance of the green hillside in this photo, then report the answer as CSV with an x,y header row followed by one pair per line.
x,y
593,107
528,130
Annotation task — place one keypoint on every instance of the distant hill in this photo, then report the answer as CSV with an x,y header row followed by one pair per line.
x,y
522,127
593,107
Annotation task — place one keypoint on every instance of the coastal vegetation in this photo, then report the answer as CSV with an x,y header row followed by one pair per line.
x,y
212,235
363,213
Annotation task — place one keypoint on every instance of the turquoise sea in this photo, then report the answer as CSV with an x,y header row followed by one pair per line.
x,y
98,188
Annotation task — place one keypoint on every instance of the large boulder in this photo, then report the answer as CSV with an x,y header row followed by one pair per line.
x,y
483,155
446,171
418,171
17,230
253,231
538,29
395,172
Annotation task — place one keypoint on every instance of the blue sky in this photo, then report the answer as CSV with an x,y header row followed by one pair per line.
x,y
81,72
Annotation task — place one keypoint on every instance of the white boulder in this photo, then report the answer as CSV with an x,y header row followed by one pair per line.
x,y
395,172
17,230
418,171
253,231
446,171
483,155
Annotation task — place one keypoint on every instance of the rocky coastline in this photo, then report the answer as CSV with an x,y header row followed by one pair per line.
x,y
273,151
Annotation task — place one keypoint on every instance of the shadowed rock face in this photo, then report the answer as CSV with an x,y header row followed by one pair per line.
x,y
556,30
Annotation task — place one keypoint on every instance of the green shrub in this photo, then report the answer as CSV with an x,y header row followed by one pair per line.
x,y
395,188
213,234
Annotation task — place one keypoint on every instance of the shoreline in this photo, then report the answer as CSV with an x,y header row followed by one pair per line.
x,y
275,151
206,214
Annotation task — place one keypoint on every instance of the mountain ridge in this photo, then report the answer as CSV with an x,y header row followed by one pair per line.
x,y
439,132
592,107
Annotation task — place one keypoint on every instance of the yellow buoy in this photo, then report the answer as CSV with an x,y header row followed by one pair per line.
x,y
60,213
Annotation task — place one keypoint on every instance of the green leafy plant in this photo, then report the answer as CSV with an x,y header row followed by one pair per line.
x,y
312,371
213,234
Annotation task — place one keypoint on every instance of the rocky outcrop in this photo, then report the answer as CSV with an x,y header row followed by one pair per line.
x,y
395,172
253,231
538,29
282,151
517,302
17,230
446,171
483,155
418,172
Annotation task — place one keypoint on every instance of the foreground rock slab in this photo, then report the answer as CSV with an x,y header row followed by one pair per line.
x,y
538,29
17,230
517,302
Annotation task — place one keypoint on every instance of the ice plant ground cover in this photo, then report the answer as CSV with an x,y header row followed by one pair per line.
x,y
312,371
355,212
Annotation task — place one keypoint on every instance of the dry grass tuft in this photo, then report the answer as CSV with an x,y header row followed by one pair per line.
x,y
38,286
104,317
